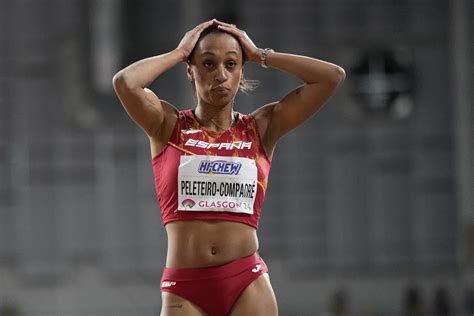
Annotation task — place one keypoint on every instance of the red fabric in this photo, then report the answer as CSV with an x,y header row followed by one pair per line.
x,y
165,165
214,289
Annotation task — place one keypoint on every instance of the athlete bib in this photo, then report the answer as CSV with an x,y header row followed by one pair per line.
x,y
217,183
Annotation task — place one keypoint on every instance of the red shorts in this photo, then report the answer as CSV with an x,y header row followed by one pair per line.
x,y
214,289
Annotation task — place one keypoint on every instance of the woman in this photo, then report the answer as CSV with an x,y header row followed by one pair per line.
x,y
211,164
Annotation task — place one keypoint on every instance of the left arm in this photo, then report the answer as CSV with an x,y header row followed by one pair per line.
x,y
321,79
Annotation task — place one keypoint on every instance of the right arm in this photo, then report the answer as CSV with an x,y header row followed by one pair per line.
x,y
142,105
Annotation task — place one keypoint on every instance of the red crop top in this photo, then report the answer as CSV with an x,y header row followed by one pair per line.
x,y
202,174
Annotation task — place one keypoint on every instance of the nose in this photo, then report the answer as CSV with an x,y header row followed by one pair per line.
x,y
221,74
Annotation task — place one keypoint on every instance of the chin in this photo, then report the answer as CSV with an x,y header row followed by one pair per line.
x,y
221,102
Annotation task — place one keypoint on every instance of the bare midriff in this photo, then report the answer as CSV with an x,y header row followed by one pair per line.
x,y
199,243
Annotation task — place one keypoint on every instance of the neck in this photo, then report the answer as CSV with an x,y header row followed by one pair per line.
x,y
213,117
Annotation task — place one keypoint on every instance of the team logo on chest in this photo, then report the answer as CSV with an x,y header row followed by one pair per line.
x,y
228,146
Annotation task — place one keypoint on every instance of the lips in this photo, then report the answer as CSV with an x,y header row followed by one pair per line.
x,y
221,88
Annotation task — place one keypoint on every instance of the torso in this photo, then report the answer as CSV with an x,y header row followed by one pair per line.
x,y
205,243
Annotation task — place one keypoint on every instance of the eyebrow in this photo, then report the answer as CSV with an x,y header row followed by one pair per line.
x,y
211,53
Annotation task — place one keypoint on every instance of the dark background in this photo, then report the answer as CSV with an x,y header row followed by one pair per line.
x,y
367,200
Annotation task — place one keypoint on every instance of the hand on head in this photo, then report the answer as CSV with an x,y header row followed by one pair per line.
x,y
191,37
250,51
188,42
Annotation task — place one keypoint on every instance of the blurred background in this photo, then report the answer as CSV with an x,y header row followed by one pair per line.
x,y
370,205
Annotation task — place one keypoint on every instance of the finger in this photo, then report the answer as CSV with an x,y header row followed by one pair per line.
x,y
201,27
229,29
226,24
205,25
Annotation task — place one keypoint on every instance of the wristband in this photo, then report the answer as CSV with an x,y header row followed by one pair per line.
x,y
263,56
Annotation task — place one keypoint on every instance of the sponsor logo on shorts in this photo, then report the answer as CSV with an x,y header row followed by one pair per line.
x,y
219,167
188,203
168,284
257,268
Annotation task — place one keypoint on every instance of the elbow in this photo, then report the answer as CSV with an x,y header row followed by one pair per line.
x,y
119,81
122,81
337,76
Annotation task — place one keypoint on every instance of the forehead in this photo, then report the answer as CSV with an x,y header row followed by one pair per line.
x,y
218,44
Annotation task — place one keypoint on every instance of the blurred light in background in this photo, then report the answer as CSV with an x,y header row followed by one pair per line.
x,y
381,85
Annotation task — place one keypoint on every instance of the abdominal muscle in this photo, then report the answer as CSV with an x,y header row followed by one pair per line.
x,y
207,243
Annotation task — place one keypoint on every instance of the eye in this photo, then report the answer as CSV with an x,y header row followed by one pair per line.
x,y
208,64
231,64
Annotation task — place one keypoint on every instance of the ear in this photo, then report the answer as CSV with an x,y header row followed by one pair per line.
x,y
189,72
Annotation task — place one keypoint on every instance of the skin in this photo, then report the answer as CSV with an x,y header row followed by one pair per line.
x,y
216,68
216,64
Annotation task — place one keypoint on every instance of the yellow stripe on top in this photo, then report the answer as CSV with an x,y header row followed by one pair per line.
x,y
181,149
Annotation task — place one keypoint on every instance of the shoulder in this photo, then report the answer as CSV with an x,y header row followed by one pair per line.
x,y
174,114
248,122
173,118
267,129
186,118
185,113
245,118
263,115
264,112
169,108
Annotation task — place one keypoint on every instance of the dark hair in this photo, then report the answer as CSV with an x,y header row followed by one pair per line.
x,y
245,85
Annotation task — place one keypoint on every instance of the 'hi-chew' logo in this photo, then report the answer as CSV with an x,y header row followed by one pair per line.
x,y
188,203
219,167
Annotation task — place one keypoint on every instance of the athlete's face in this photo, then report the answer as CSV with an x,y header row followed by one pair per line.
x,y
216,68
